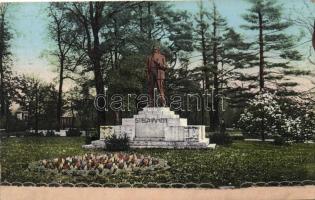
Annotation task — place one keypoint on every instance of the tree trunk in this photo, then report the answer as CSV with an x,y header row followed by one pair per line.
x,y
261,53
2,99
313,38
62,55
140,18
117,117
36,110
7,114
95,55
72,114
99,85
150,25
214,113
205,81
116,45
262,131
204,60
59,103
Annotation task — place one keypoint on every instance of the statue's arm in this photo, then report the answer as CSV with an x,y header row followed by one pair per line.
x,y
148,67
164,63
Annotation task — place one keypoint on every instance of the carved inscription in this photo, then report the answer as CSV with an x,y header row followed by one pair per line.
x,y
151,120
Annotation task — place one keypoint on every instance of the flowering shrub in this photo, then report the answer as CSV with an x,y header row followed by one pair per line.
x,y
263,116
92,164
270,115
300,121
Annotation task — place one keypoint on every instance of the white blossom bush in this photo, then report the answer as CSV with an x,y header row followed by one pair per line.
x,y
270,115
300,120
263,116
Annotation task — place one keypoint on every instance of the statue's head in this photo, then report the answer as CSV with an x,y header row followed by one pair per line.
x,y
156,48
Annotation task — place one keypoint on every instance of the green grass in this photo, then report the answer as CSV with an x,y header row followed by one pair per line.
x,y
233,165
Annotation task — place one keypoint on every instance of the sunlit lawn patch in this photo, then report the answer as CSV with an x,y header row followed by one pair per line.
x,y
242,161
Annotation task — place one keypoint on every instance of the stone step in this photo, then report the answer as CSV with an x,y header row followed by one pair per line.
x,y
156,109
168,113
98,143
139,140
168,144
159,115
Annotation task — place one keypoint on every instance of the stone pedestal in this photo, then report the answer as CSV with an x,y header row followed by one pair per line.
x,y
158,127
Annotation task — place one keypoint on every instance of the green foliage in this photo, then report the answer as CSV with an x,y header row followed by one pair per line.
x,y
221,138
275,49
50,133
91,135
114,143
16,125
297,72
301,112
72,132
2,122
38,99
278,140
270,115
263,116
7,79
237,137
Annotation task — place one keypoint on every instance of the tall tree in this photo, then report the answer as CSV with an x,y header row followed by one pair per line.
x,y
223,53
273,47
129,38
112,34
5,71
67,60
202,38
38,99
219,28
87,20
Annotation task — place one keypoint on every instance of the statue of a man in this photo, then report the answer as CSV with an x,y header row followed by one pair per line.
x,y
156,66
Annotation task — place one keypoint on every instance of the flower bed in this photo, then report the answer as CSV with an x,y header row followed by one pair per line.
x,y
101,164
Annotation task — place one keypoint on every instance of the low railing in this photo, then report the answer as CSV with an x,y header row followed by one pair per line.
x,y
160,185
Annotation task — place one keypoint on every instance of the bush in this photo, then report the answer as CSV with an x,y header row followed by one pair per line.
x,y
15,125
50,133
3,123
221,138
280,141
271,115
73,133
263,116
114,143
237,137
89,139
91,135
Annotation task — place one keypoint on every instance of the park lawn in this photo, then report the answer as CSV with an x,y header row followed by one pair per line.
x,y
232,165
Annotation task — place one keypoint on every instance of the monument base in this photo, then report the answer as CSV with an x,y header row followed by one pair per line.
x,y
169,144
157,127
